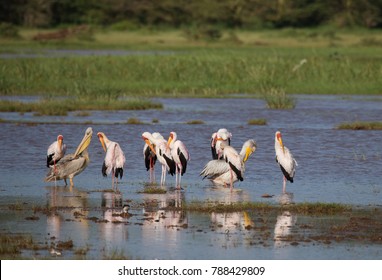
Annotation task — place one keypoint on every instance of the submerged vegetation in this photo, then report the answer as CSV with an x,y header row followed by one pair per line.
x,y
358,125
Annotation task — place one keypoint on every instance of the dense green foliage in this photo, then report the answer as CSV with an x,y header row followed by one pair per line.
x,y
176,13
203,73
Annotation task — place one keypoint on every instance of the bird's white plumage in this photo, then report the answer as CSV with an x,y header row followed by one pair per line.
x,y
114,161
162,152
285,159
150,157
72,164
180,156
220,139
219,171
56,151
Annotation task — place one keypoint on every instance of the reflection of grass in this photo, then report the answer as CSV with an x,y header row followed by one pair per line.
x,y
257,122
358,125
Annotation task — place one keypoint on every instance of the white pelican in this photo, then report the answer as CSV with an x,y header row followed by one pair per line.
x,y
56,151
72,164
114,159
150,157
218,139
231,168
180,155
163,154
285,159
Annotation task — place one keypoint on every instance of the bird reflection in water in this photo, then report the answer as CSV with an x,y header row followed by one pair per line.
x,y
286,198
163,222
113,207
115,215
283,228
67,205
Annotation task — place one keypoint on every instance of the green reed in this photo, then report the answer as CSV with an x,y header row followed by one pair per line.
x,y
204,72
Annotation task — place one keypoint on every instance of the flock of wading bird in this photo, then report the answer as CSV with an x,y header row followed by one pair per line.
x,y
226,167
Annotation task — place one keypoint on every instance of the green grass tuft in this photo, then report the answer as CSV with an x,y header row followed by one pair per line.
x,y
151,189
56,107
257,122
277,98
195,122
134,121
358,125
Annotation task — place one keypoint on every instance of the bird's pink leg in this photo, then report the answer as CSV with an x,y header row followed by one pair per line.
x,y
112,180
180,176
163,178
284,184
231,185
151,170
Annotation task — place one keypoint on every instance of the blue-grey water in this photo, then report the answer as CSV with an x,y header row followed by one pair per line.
x,y
340,166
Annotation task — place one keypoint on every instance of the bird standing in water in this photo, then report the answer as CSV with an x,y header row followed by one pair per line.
x,y
56,151
72,164
218,139
114,159
150,157
180,155
231,167
285,159
159,147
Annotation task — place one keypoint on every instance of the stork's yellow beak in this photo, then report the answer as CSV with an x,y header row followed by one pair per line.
x,y
100,137
281,144
169,140
85,141
150,145
59,143
248,152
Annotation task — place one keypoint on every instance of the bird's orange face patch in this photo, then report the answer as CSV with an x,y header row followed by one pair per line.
x,y
278,135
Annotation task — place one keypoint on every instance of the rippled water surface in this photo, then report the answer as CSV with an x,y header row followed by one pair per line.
x,y
341,166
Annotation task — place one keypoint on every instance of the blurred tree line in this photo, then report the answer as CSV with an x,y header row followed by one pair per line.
x,y
248,14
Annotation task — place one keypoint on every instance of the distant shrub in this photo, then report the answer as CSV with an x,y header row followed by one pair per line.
x,y
134,121
124,25
257,122
277,98
195,122
358,125
8,30
203,33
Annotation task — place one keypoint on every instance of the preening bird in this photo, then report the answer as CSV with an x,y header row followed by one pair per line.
x,y
231,168
56,151
162,151
285,159
150,157
180,156
114,159
218,139
72,164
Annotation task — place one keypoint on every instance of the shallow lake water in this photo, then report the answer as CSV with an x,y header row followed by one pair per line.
x,y
339,166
